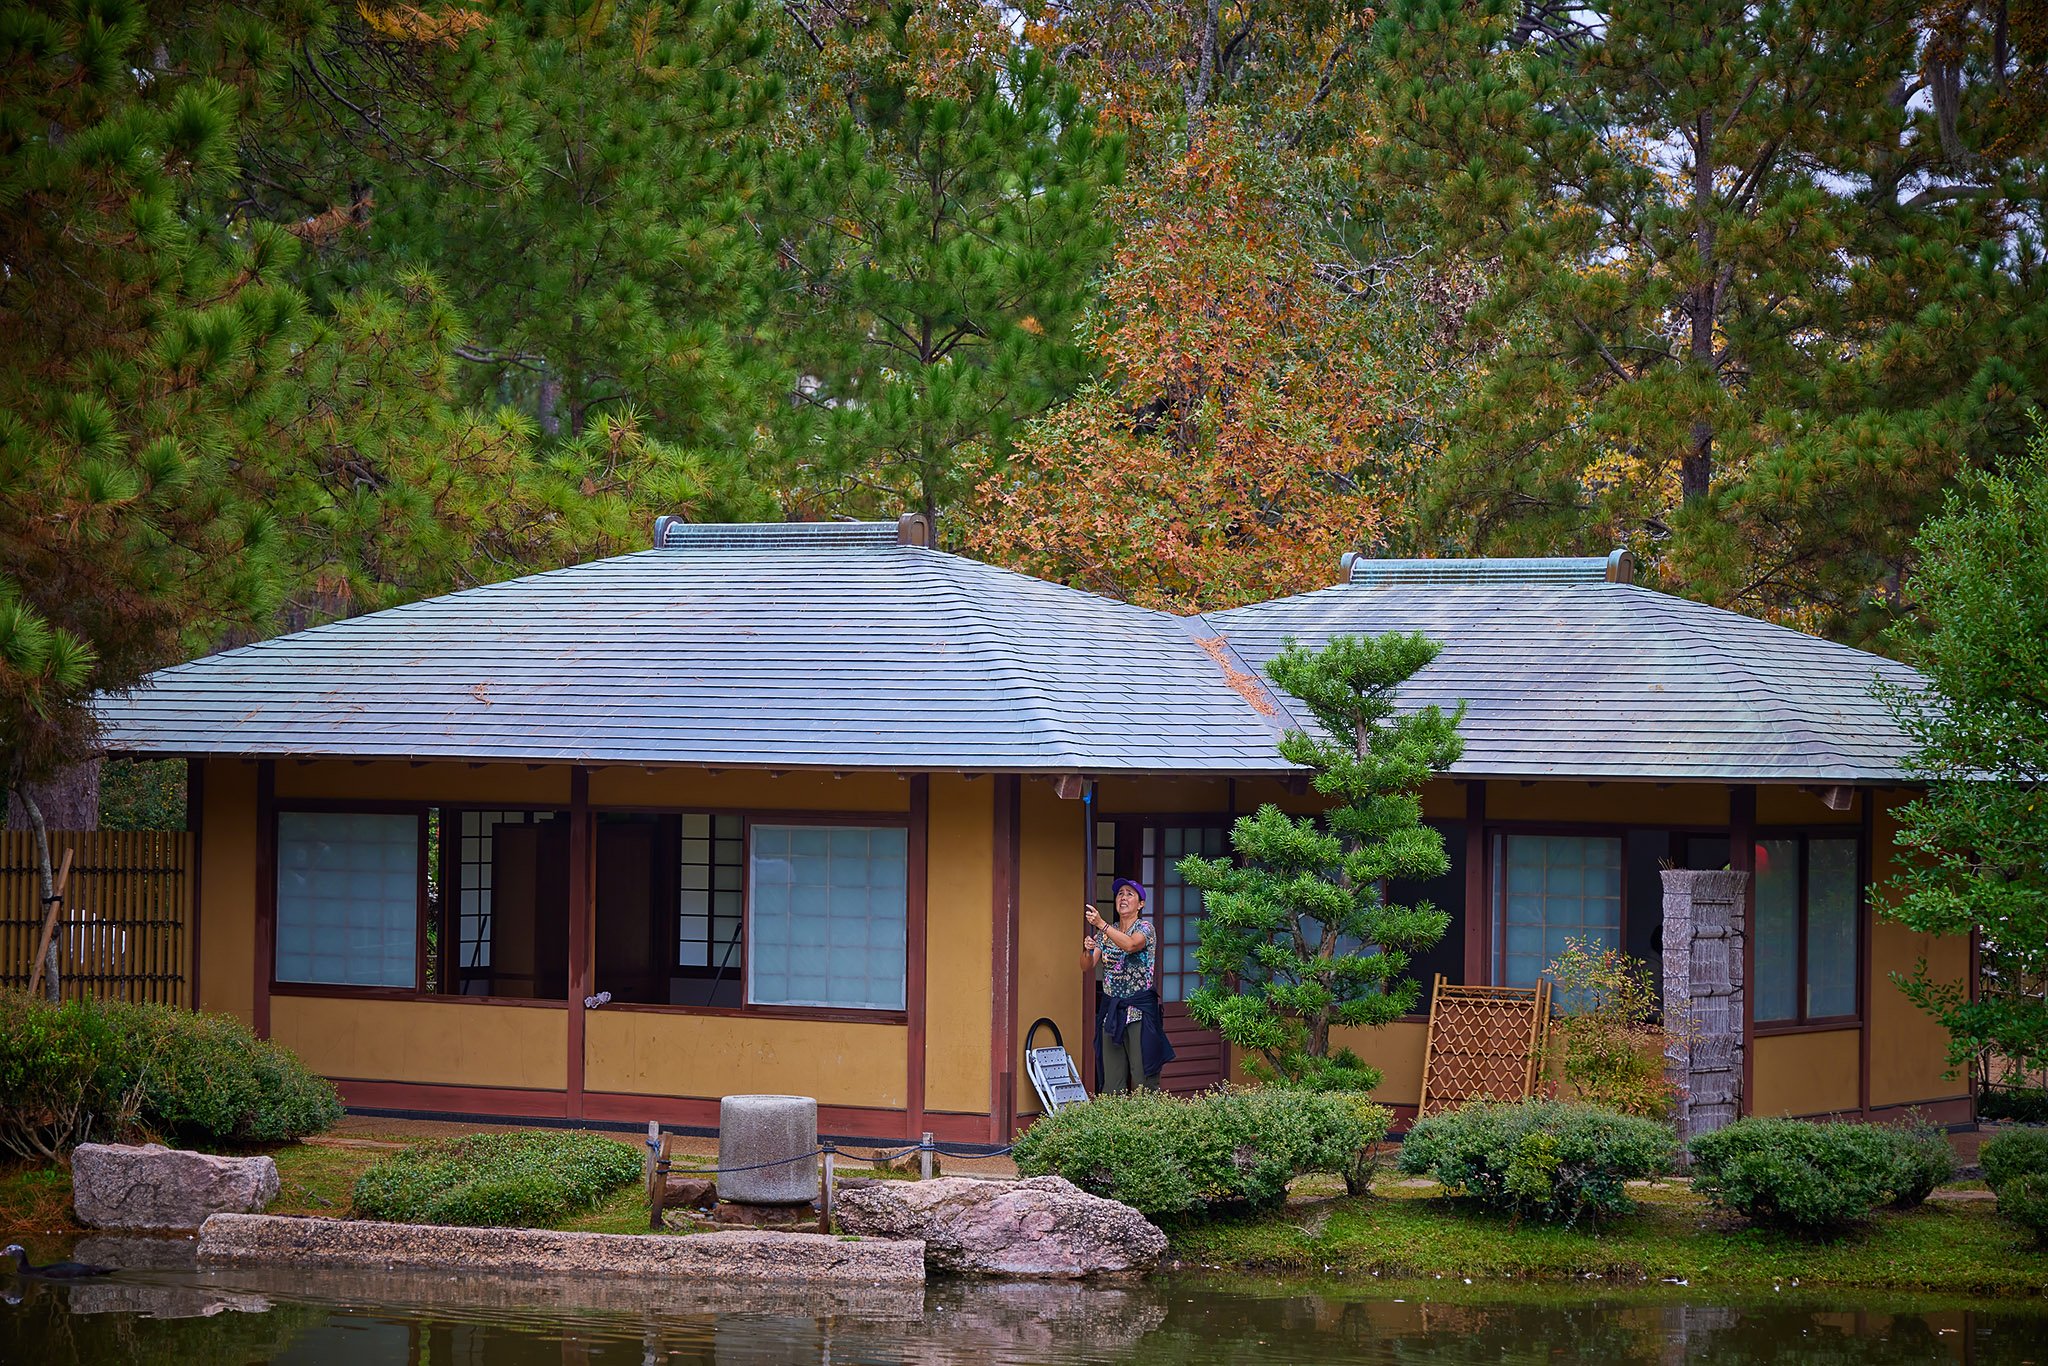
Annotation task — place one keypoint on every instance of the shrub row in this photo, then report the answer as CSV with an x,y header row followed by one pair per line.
x,y
1170,1156
1541,1159
99,1071
496,1180
1818,1178
2016,1168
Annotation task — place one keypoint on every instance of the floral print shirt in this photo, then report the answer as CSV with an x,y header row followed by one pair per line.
x,y
1127,974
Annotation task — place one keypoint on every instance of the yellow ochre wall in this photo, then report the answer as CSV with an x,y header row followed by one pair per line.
x,y
664,1054
449,1043
1805,1074
1051,982
959,972
1908,1050
226,913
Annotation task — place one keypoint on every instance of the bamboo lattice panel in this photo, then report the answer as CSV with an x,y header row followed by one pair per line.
x,y
1485,1043
124,933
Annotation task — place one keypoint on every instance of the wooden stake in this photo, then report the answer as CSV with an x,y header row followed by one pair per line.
x,y
924,1158
827,1191
50,923
657,1194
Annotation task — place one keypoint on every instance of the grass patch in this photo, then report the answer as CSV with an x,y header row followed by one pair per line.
x,y
1949,1248
502,1180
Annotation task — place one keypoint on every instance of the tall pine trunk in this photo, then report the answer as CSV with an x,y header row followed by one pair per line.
x,y
47,877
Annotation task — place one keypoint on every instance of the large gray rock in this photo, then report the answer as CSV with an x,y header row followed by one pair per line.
x,y
711,1258
757,1130
120,1185
1045,1226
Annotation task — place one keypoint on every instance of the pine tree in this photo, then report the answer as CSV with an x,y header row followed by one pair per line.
x,y
1298,936
1979,833
1752,300
937,247
131,327
612,267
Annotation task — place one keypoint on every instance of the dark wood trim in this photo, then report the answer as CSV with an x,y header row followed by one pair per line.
x,y
1003,957
266,894
450,874
1840,1024
1805,835
360,1093
829,1014
917,892
329,989
1090,875
580,892
755,815
365,806
1742,859
1478,898
195,821
1866,846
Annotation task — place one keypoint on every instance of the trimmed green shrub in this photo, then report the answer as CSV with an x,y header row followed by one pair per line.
x,y
66,1078
101,1070
2016,1168
1541,1159
1169,1156
1807,1177
1926,1159
496,1180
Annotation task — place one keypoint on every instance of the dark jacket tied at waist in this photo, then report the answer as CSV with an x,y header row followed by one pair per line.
x,y
1111,1023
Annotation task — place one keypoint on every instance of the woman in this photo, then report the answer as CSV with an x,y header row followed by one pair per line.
x,y
1131,1042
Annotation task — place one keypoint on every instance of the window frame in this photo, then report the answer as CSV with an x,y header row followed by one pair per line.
x,y
749,816
350,807
1802,1023
1496,837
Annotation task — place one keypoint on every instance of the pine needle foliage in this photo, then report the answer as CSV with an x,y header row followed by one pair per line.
x,y
1297,936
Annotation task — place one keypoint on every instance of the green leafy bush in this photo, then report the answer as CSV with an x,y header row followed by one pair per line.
x,y
1169,1156
2016,1168
1812,1178
503,1180
2021,1104
1926,1159
66,1078
1611,1035
101,1070
1544,1159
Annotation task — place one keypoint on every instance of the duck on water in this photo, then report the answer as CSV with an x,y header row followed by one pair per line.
x,y
55,1271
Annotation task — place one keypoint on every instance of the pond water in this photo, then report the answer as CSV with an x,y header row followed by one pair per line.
x,y
163,1311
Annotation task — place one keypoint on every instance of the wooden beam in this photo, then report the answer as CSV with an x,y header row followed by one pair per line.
x,y
580,889
266,893
1742,859
1003,959
1478,915
195,883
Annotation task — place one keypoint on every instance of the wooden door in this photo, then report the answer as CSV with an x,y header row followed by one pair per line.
x,y
1175,910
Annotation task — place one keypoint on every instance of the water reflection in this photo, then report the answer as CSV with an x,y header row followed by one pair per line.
x,y
172,1313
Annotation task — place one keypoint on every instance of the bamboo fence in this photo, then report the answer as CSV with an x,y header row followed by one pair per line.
x,y
124,929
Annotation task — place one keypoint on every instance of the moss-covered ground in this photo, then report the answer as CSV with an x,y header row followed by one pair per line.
x,y
1415,1232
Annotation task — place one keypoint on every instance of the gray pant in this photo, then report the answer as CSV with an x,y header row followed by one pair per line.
x,y
1123,1064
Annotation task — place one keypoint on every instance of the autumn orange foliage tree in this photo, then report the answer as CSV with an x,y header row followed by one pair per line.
x,y
1242,435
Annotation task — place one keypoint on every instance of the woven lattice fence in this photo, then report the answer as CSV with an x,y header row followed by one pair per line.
x,y
1485,1043
123,929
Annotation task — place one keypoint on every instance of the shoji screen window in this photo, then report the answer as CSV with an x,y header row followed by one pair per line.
x,y
348,898
827,916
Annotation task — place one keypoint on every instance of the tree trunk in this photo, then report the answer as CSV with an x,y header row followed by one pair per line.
x,y
1696,469
47,876
70,800
544,405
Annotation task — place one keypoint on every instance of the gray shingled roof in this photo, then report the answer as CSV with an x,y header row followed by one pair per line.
x,y
825,645
1611,681
834,646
